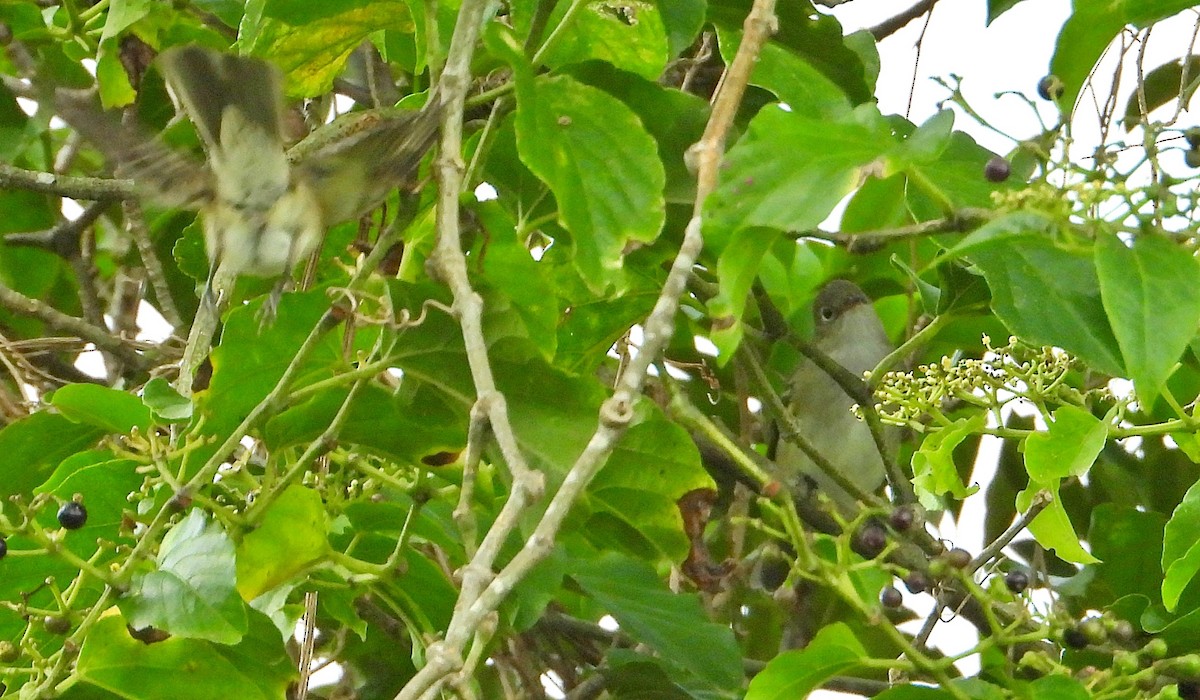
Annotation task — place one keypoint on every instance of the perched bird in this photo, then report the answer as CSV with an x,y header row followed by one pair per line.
x,y
264,208
848,330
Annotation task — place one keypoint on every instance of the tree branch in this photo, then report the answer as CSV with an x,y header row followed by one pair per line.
x,y
894,24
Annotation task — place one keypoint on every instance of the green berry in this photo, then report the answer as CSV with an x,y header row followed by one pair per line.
x,y
958,558
1192,158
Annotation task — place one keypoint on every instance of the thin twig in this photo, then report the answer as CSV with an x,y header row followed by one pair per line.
x,y
894,24
122,349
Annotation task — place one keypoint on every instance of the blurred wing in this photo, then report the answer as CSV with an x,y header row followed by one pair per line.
x,y
353,163
207,83
164,176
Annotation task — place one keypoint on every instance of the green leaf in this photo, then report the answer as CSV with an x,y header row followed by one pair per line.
x,y
32,446
999,7
1093,24
1052,527
670,623
653,465
934,471
406,426
257,668
166,404
794,674
113,411
791,77
1130,542
631,36
1181,547
290,539
1068,447
313,51
601,164
192,592
789,171
1024,268
1160,86
682,20
510,268
1148,292
737,269
817,38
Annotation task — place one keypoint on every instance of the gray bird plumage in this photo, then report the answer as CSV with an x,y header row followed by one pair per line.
x,y
848,330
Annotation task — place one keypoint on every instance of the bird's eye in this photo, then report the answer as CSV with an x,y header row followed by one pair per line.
x,y
826,313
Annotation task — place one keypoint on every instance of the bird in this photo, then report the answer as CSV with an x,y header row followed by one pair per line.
x,y
848,330
264,207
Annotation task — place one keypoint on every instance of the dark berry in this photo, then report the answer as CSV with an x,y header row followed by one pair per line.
x,y
871,540
917,582
1189,690
903,518
1017,581
1050,88
72,515
3,547
891,598
1192,158
997,169
1074,639
57,625
958,558
773,572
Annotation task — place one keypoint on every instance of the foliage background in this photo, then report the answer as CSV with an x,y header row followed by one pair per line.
x,y
469,461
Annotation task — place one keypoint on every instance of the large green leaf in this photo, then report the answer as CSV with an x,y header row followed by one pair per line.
x,y
312,41
257,668
1052,527
35,444
1067,448
111,410
630,36
1025,270
789,171
600,163
934,471
654,465
794,674
791,77
1149,292
192,591
1093,24
1181,548
1160,86
292,537
670,623
1130,542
